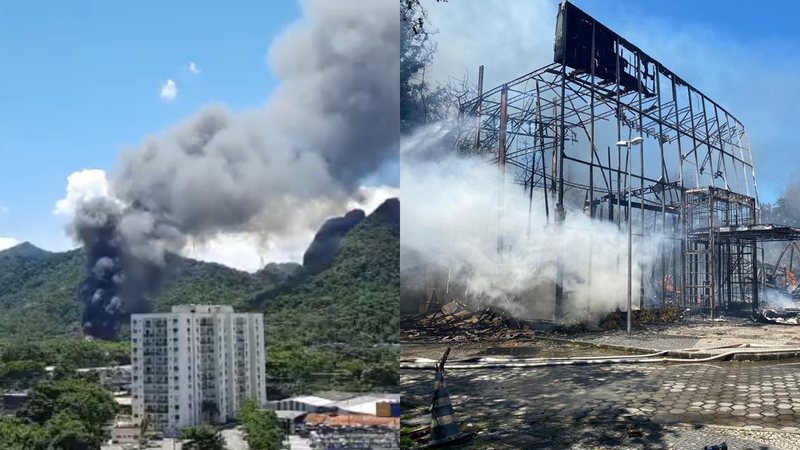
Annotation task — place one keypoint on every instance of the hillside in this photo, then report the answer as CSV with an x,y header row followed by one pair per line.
x,y
38,295
331,328
344,319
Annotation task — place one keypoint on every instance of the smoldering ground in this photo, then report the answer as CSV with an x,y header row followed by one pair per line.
x,y
330,123
450,221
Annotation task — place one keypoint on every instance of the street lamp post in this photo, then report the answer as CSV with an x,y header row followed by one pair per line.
x,y
628,144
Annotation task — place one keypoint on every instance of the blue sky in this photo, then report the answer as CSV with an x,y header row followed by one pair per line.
x,y
744,54
81,81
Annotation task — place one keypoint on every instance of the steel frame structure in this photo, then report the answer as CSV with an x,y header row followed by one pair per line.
x,y
556,130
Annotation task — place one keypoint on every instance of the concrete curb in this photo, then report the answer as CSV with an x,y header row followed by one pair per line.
x,y
744,355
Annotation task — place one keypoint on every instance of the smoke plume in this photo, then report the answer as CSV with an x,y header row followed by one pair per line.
x,y
331,122
450,223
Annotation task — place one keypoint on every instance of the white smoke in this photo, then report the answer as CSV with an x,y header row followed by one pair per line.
x,y
449,220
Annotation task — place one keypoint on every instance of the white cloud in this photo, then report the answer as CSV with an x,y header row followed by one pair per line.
x,y
194,68
370,197
4,209
81,186
8,242
169,90
246,251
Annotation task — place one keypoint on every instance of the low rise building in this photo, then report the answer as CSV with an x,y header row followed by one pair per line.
x,y
125,430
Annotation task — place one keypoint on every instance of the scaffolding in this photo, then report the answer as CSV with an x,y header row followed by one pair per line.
x,y
691,180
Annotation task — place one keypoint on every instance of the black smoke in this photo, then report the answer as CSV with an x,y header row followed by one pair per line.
x,y
121,277
331,122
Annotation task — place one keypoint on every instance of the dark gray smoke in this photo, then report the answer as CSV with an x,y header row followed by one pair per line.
x,y
332,121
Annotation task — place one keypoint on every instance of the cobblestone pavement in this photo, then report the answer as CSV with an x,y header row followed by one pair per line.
x,y
660,406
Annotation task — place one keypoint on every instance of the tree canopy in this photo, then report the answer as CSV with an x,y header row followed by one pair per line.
x,y
203,438
262,428
420,102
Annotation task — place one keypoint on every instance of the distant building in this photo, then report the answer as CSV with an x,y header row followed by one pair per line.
x,y
125,430
195,364
349,403
369,414
115,378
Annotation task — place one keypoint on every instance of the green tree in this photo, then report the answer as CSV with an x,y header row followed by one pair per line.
x,y
203,438
90,403
24,351
68,432
21,374
419,102
17,434
262,428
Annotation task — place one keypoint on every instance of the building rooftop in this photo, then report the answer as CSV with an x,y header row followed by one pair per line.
x,y
351,420
202,309
289,415
366,404
312,400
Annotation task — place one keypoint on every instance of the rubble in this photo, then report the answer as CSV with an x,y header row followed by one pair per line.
x,y
783,316
617,320
456,322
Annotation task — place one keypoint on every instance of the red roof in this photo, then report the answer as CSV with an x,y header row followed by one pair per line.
x,y
351,420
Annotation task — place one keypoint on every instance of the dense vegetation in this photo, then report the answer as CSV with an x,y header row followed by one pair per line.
x,y
66,411
262,429
339,328
204,437
335,329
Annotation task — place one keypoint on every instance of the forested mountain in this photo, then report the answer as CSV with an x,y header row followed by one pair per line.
x,y
335,326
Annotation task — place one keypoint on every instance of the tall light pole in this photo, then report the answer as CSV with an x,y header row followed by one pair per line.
x,y
628,144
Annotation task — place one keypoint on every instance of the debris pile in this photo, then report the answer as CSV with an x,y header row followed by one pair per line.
x,y
783,316
617,320
458,323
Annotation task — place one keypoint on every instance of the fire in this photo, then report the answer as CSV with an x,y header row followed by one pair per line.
x,y
667,283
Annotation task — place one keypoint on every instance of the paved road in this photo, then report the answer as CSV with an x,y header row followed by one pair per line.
x,y
621,406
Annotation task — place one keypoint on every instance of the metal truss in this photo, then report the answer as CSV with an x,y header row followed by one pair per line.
x,y
557,128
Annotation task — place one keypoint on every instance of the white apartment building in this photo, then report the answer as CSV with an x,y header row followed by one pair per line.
x,y
197,363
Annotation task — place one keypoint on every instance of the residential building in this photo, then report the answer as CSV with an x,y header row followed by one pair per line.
x,y
125,430
195,364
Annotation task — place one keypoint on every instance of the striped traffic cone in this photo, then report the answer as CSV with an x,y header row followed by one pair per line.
x,y
444,425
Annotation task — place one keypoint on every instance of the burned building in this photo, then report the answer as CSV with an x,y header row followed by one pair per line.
x,y
610,132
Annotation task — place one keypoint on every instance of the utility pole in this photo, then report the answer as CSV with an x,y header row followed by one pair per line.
x,y
628,144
